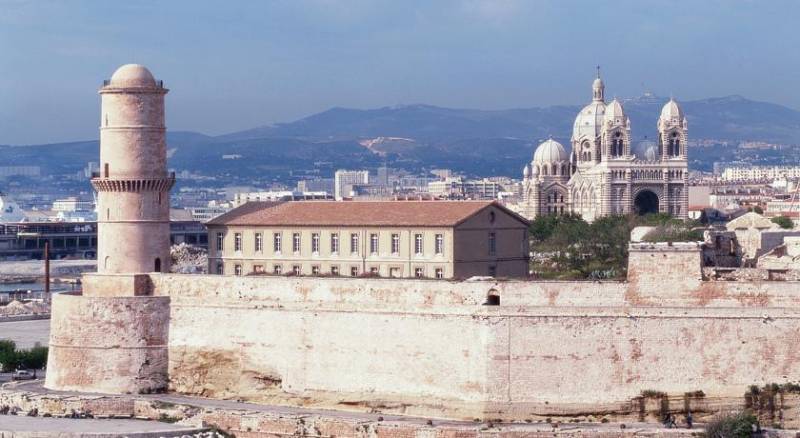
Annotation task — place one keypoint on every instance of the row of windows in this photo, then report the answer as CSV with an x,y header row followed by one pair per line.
x,y
374,241
277,269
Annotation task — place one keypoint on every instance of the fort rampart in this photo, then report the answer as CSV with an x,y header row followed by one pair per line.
x,y
442,348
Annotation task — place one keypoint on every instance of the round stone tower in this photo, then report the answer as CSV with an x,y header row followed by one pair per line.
x,y
133,185
113,337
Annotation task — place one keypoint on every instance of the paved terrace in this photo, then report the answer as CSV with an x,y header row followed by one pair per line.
x,y
19,427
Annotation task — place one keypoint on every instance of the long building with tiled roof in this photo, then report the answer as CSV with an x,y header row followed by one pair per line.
x,y
426,239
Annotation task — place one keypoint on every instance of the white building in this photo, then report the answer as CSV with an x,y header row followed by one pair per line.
x,y
73,204
760,173
344,180
602,176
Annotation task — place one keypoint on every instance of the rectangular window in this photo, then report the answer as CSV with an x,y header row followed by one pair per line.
x,y
354,243
277,269
220,239
237,241
315,270
315,243
296,242
276,243
394,272
259,242
334,270
354,271
374,270
440,244
418,244
419,272
492,244
296,270
258,269
373,244
334,243
395,244
237,269
439,273
220,268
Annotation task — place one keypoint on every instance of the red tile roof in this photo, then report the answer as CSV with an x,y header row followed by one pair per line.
x,y
355,213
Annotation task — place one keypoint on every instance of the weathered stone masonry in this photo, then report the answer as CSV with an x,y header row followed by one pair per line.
x,y
433,348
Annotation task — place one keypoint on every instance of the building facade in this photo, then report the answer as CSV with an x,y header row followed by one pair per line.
x,y
344,180
760,173
429,239
602,176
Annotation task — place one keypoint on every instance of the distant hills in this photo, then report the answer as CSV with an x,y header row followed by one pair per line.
x,y
415,137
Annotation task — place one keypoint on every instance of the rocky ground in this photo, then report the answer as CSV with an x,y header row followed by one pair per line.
x,y
188,259
17,308
248,420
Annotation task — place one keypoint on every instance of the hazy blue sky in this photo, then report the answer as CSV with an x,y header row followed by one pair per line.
x,y
233,65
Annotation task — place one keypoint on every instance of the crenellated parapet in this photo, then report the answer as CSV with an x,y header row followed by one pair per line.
x,y
134,184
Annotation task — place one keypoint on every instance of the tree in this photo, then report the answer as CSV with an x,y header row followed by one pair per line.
x,y
758,210
8,355
784,222
567,247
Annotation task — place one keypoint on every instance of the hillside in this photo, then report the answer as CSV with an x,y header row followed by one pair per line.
x,y
415,137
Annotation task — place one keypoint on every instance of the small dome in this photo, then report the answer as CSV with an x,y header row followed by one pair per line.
x,y
133,75
550,151
615,112
671,111
526,172
598,83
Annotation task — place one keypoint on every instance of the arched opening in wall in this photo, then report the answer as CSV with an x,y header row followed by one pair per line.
x,y
105,170
645,202
157,265
492,298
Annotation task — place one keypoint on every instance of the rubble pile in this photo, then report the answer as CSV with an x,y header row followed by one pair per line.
x,y
188,259
16,308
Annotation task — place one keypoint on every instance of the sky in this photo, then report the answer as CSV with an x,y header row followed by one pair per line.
x,y
234,65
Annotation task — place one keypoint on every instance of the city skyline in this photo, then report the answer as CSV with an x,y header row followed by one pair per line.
x,y
262,63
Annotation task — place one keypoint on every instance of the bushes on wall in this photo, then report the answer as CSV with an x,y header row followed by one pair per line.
x,y
568,247
738,425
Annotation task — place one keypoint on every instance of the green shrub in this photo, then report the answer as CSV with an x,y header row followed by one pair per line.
x,y
783,222
738,425
571,248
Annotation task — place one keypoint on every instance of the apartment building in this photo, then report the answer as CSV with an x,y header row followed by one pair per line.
x,y
426,239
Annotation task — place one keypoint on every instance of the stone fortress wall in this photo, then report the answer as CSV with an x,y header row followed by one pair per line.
x,y
434,348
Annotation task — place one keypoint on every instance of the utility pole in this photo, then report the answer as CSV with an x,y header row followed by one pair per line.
x,y
47,271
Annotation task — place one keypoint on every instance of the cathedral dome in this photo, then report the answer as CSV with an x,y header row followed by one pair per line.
x,y
671,111
589,121
549,152
133,75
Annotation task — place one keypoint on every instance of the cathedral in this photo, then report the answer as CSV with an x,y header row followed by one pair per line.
x,y
602,175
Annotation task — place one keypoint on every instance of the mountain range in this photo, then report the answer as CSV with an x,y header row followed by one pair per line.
x,y
415,137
